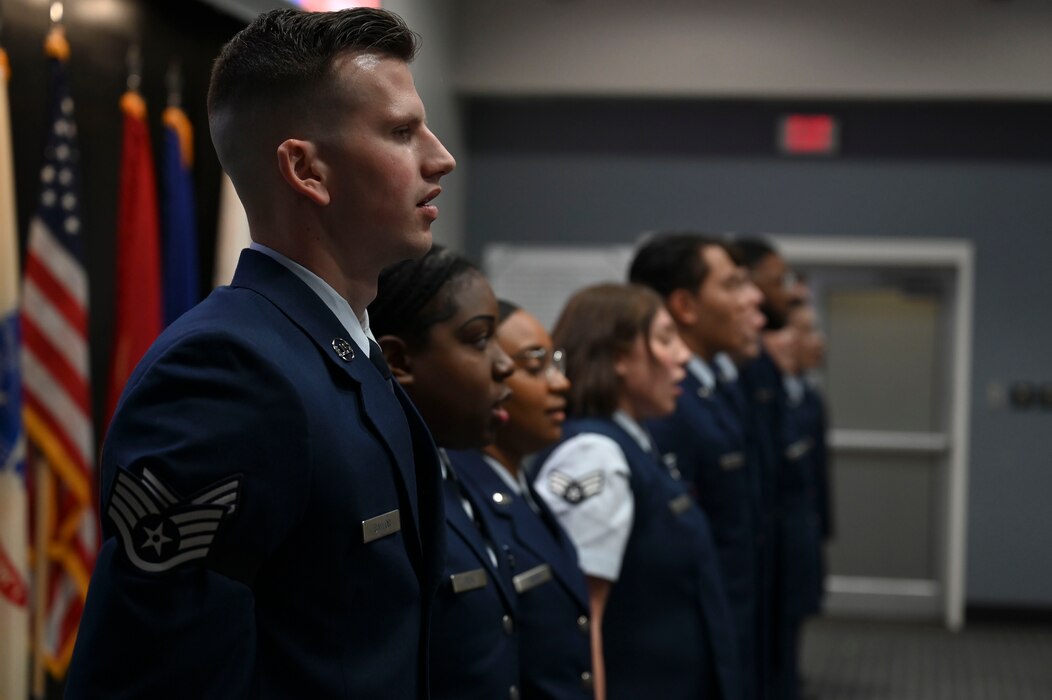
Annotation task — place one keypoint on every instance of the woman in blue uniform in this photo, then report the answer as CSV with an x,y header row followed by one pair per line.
x,y
555,656
660,620
435,319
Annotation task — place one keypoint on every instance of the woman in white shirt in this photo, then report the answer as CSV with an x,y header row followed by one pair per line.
x,y
660,622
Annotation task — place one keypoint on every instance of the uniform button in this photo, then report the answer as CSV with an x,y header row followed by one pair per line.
x,y
586,680
509,627
582,623
513,693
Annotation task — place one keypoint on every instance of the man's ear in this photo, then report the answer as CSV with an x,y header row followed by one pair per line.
x,y
303,169
398,357
683,307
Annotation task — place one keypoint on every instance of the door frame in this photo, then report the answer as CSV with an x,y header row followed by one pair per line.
x,y
959,256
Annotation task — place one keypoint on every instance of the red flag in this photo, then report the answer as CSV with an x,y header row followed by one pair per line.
x,y
139,318
57,381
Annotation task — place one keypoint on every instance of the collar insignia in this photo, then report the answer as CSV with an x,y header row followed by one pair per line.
x,y
159,530
343,349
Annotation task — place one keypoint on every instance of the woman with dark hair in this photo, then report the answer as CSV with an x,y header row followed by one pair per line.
x,y
660,623
555,656
435,319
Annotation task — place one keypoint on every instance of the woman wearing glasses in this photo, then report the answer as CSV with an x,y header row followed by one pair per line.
x,y
553,620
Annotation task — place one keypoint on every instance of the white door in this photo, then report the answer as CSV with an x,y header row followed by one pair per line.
x,y
898,317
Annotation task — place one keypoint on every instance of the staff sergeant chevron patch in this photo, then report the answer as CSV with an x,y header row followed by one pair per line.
x,y
159,530
572,491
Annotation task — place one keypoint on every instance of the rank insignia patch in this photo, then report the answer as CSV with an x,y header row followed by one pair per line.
x,y
572,491
159,530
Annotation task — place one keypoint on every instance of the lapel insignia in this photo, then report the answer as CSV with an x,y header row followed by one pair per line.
x,y
343,349
502,499
573,492
160,531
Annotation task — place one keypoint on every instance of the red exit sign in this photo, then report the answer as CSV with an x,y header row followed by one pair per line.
x,y
809,135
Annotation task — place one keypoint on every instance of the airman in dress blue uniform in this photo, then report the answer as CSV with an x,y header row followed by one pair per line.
x,y
269,503
554,626
552,599
475,637
436,319
657,596
782,449
716,310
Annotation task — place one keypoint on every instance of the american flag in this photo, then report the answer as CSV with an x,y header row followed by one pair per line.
x,y
56,378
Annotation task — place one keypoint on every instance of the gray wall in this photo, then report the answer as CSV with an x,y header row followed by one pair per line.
x,y
765,48
525,187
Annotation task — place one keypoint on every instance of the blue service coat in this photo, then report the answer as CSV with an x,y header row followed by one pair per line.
x,y
759,395
554,635
816,425
705,440
474,640
667,628
800,536
271,517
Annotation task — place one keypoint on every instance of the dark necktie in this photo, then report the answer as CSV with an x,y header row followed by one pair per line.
x,y
376,356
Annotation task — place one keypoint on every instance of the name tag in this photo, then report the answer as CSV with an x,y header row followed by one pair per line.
x,y
798,449
532,578
381,526
731,460
680,503
468,580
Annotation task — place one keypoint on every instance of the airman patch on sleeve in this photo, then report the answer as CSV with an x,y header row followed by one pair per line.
x,y
158,529
575,491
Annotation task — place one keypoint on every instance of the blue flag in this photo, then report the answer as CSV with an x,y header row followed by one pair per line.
x,y
178,210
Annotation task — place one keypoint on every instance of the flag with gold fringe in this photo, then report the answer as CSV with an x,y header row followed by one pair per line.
x,y
57,381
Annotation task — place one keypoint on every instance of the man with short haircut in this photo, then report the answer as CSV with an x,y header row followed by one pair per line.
x,y
715,308
269,498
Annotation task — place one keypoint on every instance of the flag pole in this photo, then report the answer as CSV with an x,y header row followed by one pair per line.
x,y
55,46
40,560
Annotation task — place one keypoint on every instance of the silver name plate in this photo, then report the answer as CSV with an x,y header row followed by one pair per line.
x,y
468,580
680,503
798,449
731,460
381,526
532,578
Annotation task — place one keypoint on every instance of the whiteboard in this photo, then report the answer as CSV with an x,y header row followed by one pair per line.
x,y
540,278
